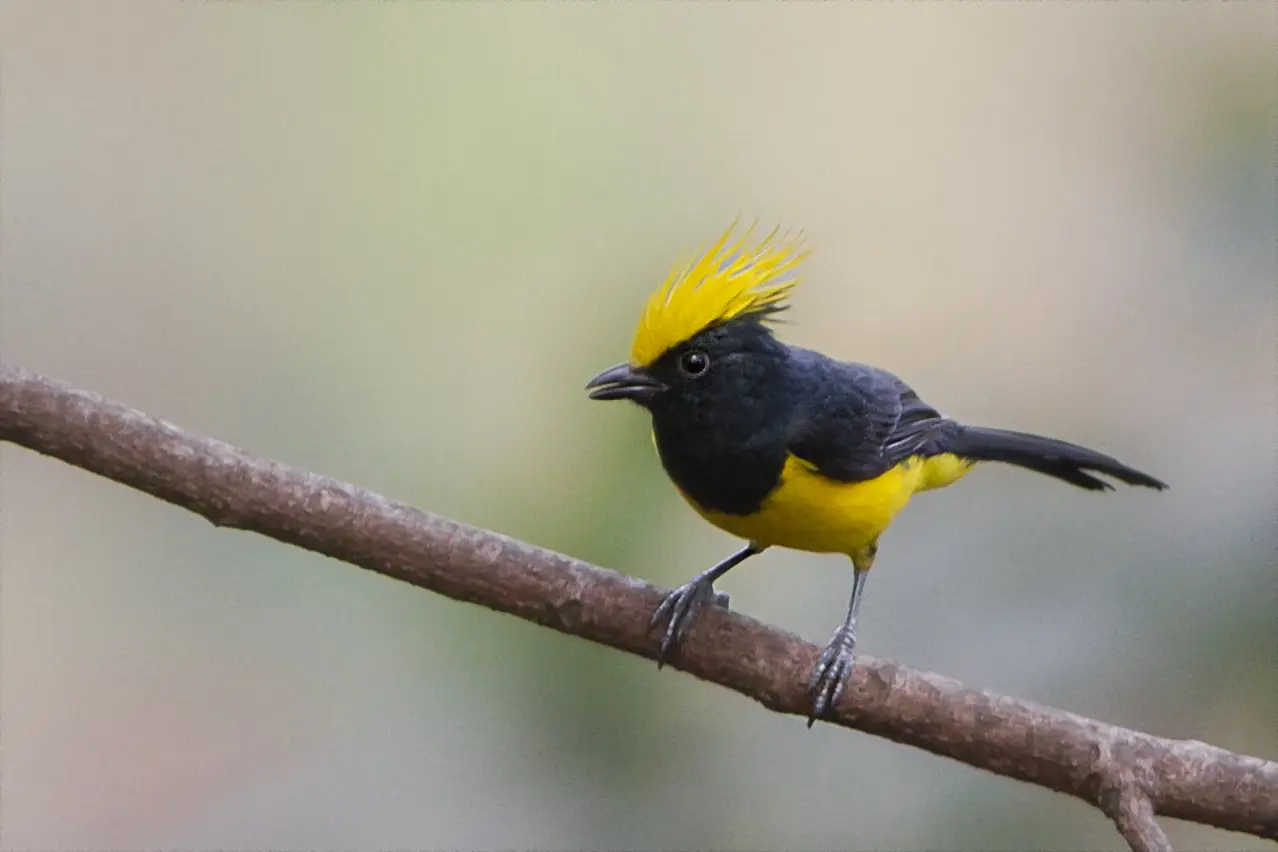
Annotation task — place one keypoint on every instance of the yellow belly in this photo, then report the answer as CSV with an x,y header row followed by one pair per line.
x,y
809,512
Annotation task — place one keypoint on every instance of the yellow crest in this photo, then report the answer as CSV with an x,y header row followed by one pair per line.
x,y
722,284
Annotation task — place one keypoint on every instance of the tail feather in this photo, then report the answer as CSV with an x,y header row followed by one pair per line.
x,y
1068,462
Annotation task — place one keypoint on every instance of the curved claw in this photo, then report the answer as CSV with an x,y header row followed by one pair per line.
x,y
681,607
830,675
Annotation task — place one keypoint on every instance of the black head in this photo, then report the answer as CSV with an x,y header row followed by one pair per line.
x,y
731,373
721,407
708,369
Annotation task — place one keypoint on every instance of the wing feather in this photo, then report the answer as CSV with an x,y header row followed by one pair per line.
x,y
855,422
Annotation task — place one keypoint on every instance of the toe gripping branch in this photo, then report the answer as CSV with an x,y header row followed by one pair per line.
x,y
681,606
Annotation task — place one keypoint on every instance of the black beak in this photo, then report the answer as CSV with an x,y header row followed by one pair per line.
x,y
624,382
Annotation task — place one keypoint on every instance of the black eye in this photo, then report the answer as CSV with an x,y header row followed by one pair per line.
x,y
694,363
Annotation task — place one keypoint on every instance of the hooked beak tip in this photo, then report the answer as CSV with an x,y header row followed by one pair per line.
x,y
624,382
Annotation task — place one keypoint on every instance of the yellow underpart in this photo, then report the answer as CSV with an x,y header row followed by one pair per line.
x,y
808,511
723,283
940,471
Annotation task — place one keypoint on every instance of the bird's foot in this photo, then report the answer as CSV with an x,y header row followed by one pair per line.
x,y
680,608
830,676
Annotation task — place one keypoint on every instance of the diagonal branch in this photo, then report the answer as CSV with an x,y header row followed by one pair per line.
x,y
1125,801
1127,774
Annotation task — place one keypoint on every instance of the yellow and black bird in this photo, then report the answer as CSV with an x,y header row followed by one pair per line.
x,y
784,446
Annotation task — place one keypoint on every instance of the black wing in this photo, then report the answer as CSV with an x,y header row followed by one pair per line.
x,y
855,422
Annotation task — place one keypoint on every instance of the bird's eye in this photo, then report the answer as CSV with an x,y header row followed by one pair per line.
x,y
694,363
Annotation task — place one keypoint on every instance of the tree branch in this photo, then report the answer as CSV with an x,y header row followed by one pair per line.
x,y
1127,774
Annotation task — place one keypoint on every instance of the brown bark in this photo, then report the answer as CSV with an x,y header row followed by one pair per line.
x,y
1129,775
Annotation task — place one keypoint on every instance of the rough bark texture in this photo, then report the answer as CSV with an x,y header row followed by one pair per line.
x,y
1129,775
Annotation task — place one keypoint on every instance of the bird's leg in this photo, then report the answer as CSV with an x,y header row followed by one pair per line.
x,y
682,605
830,677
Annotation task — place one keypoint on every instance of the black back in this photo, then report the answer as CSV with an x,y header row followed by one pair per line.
x,y
724,435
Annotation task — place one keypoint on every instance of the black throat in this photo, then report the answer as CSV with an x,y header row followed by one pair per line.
x,y
731,480
722,438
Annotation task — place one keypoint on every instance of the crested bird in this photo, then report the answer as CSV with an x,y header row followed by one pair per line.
x,y
783,446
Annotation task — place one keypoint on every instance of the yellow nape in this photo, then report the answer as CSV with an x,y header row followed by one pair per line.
x,y
808,511
724,283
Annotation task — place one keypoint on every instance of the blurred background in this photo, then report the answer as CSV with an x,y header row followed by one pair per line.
x,y
390,242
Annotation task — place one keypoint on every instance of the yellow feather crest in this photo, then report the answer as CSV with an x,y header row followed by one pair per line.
x,y
724,283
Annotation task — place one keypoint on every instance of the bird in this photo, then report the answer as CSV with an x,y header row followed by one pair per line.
x,y
782,446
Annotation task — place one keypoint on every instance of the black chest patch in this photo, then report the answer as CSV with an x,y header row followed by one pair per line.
x,y
722,430
734,481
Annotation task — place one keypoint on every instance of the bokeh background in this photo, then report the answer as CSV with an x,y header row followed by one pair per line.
x,y
390,242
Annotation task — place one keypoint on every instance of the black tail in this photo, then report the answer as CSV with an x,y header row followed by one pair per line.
x,y
1045,455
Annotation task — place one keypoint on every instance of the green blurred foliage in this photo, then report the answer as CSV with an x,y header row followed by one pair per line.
x,y
390,242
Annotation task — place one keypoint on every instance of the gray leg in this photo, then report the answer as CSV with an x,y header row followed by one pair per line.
x,y
682,605
830,677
